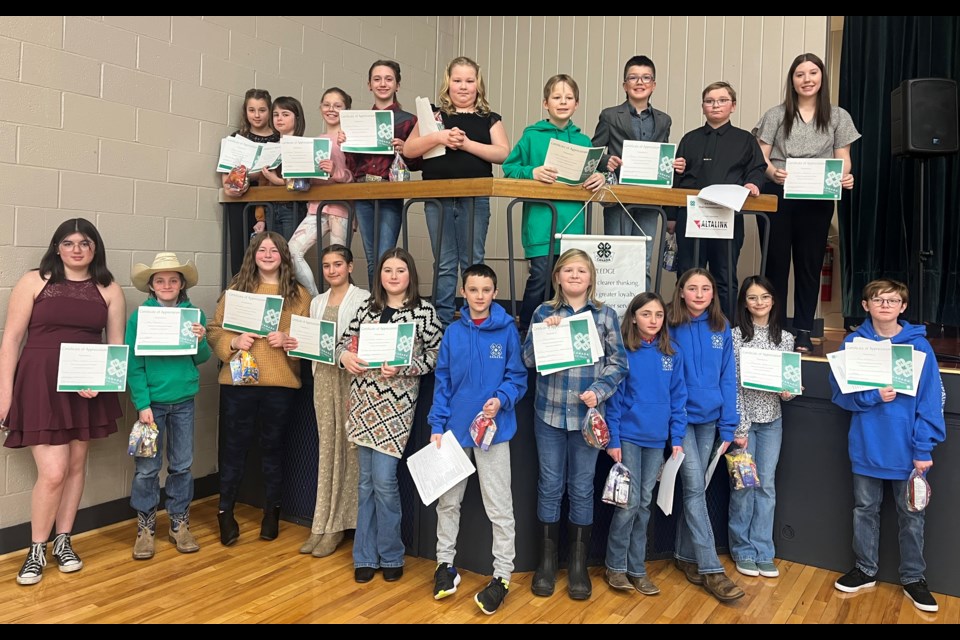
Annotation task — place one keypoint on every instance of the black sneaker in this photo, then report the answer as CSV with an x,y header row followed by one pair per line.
x,y
32,570
920,596
854,580
490,599
66,557
445,581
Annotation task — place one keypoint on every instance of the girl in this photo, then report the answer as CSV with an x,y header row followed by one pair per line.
x,y
383,79
647,413
474,139
162,389
288,120
382,403
805,125
256,125
562,400
267,269
336,508
334,216
72,297
760,431
700,328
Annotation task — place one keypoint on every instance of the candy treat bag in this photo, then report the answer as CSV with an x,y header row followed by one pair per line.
x,y
594,429
298,184
616,490
398,170
143,440
243,368
743,470
482,430
918,491
237,178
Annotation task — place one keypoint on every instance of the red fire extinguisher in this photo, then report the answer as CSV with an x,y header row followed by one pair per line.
x,y
826,276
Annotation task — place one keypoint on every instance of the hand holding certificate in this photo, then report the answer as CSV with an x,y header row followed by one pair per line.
x,y
316,339
573,343
813,179
574,164
648,163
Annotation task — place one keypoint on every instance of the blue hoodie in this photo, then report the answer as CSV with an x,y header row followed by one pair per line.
x,y
886,437
649,407
475,363
710,371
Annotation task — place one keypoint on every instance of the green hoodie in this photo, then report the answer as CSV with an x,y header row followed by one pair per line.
x,y
528,154
163,379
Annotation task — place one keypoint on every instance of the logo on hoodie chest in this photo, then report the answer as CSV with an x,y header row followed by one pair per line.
x,y
496,351
667,363
716,340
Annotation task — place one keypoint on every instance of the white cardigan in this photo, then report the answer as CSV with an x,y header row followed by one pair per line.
x,y
352,301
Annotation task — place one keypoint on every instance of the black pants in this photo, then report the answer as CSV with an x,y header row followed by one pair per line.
x,y
713,256
798,228
239,234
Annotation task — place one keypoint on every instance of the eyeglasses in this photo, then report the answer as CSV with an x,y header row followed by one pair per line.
x,y
885,302
720,102
766,297
645,79
68,245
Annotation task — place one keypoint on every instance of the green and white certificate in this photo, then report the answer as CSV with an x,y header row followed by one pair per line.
x,y
317,339
564,346
766,370
813,179
368,131
302,156
872,363
648,163
236,151
166,331
251,312
94,367
574,164
269,157
386,344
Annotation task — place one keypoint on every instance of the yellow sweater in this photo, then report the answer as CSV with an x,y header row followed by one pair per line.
x,y
276,368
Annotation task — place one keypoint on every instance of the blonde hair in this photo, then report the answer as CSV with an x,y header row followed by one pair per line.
x,y
557,79
248,278
568,256
481,106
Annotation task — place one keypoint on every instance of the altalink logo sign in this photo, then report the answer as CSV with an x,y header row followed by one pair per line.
x,y
604,252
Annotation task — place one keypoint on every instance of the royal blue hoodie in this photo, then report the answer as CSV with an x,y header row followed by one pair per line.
x,y
476,363
710,371
649,406
886,437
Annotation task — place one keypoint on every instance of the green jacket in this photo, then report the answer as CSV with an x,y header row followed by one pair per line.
x,y
163,379
528,154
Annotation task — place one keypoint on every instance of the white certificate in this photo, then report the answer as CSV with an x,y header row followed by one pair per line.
x,y
367,131
668,480
317,338
428,123
708,220
269,157
647,163
97,367
574,164
302,156
766,370
725,195
251,312
869,363
166,331
386,344
567,345
436,471
236,151
813,179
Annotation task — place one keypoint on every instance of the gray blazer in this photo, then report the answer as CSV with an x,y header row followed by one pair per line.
x,y
615,126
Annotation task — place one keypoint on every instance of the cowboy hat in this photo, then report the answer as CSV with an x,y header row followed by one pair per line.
x,y
165,261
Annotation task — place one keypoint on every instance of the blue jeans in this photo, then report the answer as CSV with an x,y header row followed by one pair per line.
x,y
565,460
540,270
455,249
695,541
391,217
751,509
616,222
867,496
377,541
284,219
627,541
175,426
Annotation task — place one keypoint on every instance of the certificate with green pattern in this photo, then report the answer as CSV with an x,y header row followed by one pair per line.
x,y
649,164
386,344
369,131
767,370
317,339
166,331
252,312
92,367
813,179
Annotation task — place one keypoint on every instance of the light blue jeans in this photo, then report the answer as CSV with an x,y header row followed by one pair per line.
x,y
377,542
751,509
391,218
175,426
867,497
616,222
627,541
695,542
455,249
566,461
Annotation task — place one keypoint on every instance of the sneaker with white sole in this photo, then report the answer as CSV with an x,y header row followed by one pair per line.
x,y
445,581
748,568
67,559
32,570
854,580
921,597
492,596
768,570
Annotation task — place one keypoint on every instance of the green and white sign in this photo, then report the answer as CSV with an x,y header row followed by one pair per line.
x,y
574,164
649,164
386,344
769,370
252,312
367,131
92,367
302,157
562,347
166,331
317,339
813,179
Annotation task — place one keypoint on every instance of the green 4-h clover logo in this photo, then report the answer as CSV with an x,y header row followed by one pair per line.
x,y
666,164
117,368
320,156
832,179
791,373
404,344
581,342
187,329
271,319
591,166
327,342
903,368
384,132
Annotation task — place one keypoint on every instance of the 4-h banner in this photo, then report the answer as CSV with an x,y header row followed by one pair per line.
x,y
621,263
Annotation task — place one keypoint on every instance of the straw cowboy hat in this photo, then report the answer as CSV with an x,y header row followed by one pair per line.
x,y
165,261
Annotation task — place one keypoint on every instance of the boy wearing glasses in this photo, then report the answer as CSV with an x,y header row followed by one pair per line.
x,y
717,153
891,434
635,119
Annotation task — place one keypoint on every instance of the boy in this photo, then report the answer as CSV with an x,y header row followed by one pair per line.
x,y
717,153
479,369
883,422
635,119
561,97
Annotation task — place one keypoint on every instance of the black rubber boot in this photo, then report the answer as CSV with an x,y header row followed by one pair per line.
x,y
270,526
229,529
578,578
546,576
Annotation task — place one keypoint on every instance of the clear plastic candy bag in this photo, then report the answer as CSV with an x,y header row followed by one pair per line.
x,y
244,369
616,490
918,491
298,184
595,430
238,178
398,170
482,430
743,470
143,440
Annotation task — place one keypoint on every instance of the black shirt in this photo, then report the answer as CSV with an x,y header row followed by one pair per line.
x,y
726,155
459,163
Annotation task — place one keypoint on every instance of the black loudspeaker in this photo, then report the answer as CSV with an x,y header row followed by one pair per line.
x,y
923,117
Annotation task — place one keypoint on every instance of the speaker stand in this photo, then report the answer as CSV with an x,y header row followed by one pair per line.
x,y
921,254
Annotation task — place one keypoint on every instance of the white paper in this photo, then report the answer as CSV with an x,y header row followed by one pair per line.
x,y
555,345
869,363
251,312
839,369
726,195
236,151
647,163
302,156
269,157
309,335
712,466
813,178
361,128
160,329
919,358
708,220
761,369
668,482
97,367
573,163
381,343
436,471
427,122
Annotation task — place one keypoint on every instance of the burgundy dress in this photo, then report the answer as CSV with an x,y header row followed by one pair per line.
x,y
68,311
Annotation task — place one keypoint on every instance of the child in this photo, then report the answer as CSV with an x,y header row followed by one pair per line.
x,y
267,270
162,389
891,434
635,119
647,412
474,140
566,460
288,120
480,368
561,96
334,217
760,431
717,153
382,403
383,79
710,371
336,507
